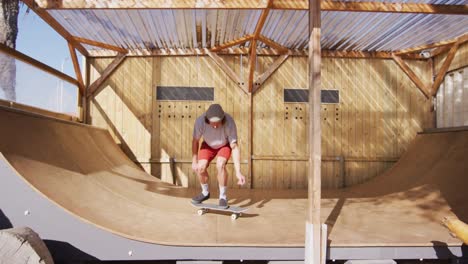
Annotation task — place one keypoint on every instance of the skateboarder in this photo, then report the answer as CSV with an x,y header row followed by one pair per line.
x,y
219,133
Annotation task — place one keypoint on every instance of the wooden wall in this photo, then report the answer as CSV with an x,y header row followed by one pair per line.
x,y
378,116
452,96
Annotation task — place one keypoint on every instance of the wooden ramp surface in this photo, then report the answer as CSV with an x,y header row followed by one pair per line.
x,y
83,171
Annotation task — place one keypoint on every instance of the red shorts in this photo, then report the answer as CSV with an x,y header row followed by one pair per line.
x,y
208,153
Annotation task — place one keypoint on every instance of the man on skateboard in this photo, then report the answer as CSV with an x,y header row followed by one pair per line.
x,y
219,133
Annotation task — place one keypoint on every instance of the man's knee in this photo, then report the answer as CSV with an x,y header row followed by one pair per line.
x,y
221,165
202,167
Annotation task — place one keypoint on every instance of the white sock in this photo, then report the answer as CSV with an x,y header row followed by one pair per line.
x,y
205,190
222,192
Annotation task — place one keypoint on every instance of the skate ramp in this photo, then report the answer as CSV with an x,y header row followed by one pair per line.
x,y
81,170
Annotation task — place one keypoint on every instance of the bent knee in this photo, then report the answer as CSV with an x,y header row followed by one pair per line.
x,y
202,168
221,165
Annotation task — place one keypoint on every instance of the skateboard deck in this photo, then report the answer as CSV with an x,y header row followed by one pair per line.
x,y
206,207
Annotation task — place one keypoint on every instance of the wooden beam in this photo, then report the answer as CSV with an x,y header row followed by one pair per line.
x,y
105,74
255,4
282,158
229,72
367,55
152,4
313,239
250,138
232,43
26,59
260,52
394,7
273,44
439,50
76,66
273,67
261,20
100,44
413,77
36,110
461,39
253,45
55,25
443,70
324,158
252,60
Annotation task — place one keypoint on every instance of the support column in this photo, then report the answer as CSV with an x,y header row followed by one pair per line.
x,y
313,241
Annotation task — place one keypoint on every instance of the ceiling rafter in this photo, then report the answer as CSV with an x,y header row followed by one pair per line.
x,y
461,39
99,44
232,43
55,25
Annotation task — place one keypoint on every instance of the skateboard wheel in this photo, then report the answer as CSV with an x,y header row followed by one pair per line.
x,y
201,212
234,216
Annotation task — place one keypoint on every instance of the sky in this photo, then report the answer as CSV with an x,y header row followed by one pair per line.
x,y
33,86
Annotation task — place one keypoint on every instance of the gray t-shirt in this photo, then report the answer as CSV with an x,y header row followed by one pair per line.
x,y
215,137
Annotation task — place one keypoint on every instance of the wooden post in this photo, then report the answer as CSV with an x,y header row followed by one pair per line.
x,y
250,149
85,101
313,226
76,67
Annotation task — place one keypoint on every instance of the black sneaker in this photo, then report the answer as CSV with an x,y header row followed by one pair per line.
x,y
223,203
200,198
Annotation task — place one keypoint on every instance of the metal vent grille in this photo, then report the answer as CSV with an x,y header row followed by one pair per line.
x,y
183,93
302,96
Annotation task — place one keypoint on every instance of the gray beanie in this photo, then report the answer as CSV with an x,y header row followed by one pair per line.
x,y
215,113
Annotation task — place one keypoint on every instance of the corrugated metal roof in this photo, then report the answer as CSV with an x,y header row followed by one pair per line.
x,y
143,29
147,29
369,31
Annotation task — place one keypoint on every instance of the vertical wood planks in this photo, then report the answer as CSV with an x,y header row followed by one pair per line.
x,y
379,113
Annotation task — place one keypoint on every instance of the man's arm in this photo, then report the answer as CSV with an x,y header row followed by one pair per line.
x,y
236,160
195,153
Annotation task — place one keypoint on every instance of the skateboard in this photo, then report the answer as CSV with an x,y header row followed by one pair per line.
x,y
206,207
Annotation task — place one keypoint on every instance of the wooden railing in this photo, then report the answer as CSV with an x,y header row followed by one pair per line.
x,y
36,110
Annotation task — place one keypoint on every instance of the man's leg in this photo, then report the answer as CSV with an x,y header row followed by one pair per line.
x,y
223,156
222,172
205,156
202,171
203,176
222,180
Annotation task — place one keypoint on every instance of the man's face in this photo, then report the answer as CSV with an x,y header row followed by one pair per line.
x,y
215,124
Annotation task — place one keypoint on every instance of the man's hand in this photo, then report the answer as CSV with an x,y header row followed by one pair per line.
x,y
241,178
195,166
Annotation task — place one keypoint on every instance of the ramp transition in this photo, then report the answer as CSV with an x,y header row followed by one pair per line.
x,y
80,170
